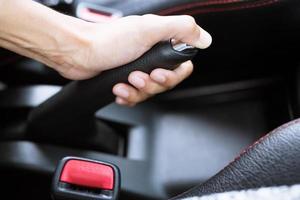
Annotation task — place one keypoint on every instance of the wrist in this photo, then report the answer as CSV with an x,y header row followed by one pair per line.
x,y
41,33
69,41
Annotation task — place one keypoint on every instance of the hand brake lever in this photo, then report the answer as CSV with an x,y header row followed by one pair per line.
x,y
68,110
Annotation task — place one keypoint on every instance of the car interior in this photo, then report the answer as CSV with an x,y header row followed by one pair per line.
x,y
209,133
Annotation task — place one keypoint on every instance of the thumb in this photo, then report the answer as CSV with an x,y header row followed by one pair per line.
x,y
181,28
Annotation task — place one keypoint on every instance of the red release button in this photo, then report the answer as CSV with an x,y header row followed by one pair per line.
x,y
88,174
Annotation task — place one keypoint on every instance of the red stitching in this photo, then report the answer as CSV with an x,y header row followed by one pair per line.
x,y
260,140
208,10
192,6
275,131
197,4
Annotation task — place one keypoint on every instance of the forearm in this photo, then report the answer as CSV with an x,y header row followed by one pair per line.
x,y
81,50
35,31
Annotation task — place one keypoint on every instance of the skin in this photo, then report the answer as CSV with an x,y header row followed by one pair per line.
x,y
80,50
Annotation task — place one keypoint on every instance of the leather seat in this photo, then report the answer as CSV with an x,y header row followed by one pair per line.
x,y
273,160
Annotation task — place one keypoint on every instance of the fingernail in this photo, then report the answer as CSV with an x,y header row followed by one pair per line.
x,y
138,82
122,92
205,39
159,78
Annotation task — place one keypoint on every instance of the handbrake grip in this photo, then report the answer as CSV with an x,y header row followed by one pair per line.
x,y
79,100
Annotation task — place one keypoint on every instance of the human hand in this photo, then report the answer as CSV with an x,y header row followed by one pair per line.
x,y
127,39
80,50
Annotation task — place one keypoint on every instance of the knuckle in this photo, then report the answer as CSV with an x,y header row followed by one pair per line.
x,y
146,24
189,22
150,90
148,15
170,85
137,99
147,18
132,98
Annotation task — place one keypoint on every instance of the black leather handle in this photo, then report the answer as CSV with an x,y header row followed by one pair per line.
x,y
81,99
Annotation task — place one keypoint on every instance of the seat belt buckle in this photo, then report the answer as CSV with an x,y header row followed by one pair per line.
x,y
83,179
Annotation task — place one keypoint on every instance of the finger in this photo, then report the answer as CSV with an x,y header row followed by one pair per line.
x,y
122,101
144,83
181,28
170,79
129,93
184,70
